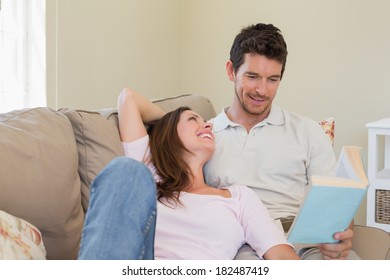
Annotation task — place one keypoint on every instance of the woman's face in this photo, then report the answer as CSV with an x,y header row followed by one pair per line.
x,y
196,134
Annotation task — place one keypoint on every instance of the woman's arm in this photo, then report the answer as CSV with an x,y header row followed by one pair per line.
x,y
133,111
261,231
281,252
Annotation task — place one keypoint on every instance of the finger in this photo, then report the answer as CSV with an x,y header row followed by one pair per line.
x,y
335,256
334,251
343,235
334,247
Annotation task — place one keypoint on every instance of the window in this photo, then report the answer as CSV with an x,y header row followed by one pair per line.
x,y
22,54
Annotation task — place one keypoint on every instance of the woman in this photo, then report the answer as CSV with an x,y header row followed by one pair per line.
x,y
189,211
194,221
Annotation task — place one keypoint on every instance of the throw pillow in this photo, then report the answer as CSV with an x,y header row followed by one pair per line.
x,y
19,240
328,126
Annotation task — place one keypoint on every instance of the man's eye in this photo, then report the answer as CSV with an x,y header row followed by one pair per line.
x,y
274,79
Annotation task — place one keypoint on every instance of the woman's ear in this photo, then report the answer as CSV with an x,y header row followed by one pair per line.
x,y
230,70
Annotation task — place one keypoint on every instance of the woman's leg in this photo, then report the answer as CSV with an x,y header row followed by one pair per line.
x,y
120,221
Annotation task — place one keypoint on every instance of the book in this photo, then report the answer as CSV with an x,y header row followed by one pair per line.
x,y
330,203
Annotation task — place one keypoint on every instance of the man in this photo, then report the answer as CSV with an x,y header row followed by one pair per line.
x,y
269,149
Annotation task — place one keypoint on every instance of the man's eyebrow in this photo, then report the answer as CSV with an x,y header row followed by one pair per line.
x,y
251,73
257,75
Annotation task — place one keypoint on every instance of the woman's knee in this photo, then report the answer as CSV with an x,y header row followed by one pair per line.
x,y
133,172
124,166
122,162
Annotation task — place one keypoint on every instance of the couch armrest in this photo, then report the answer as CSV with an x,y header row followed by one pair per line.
x,y
371,243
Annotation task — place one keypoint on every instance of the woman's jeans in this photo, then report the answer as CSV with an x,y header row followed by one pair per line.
x,y
121,218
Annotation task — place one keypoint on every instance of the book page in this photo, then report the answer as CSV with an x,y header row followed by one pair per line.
x,y
333,182
342,171
350,164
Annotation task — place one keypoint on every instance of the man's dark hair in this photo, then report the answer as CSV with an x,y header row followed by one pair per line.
x,y
263,39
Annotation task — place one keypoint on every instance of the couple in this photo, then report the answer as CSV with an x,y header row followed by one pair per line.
x,y
251,143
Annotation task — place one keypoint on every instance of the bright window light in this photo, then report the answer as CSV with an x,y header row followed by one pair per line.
x,y
22,54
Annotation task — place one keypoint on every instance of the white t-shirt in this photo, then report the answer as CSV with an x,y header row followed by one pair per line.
x,y
209,226
275,159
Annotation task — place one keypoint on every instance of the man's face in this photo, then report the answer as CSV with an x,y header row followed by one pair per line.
x,y
256,83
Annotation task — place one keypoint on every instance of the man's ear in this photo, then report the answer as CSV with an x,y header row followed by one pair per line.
x,y
230,70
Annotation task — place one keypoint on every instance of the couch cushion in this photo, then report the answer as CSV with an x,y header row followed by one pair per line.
x,y
98,142
39,178
371,243
197,103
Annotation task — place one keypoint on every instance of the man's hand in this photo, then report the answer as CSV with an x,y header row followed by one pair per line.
x,y
339,250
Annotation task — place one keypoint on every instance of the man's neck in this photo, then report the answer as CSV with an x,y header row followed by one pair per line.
x,y
243,118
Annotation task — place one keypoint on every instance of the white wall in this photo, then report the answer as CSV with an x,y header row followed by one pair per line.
x,y
339,54
96,47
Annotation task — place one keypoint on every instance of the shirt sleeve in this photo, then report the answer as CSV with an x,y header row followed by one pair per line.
x,y
261,231
138,149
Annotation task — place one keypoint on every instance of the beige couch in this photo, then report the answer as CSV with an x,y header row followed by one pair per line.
x,y
50,157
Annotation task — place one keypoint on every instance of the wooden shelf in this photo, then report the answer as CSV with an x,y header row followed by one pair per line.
x,y
378,167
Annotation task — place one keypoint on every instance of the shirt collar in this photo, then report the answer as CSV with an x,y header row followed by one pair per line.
x,y
275,117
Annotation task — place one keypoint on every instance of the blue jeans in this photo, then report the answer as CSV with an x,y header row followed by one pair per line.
x,y
121,217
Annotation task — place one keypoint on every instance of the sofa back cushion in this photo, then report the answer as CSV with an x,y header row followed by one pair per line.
x,y
197,103
39,177
98,142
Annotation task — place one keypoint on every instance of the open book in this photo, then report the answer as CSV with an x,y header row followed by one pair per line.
x,y
331,202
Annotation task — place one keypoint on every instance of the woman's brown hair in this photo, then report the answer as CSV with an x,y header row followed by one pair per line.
x,y
167,155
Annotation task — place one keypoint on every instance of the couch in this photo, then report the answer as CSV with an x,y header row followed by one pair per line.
x,y
50,157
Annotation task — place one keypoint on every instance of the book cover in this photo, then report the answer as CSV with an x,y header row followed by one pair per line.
x,y
331,202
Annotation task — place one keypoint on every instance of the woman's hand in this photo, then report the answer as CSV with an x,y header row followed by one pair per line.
x,y
133,111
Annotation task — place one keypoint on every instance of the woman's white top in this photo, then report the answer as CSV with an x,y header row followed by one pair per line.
x,y
209,226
